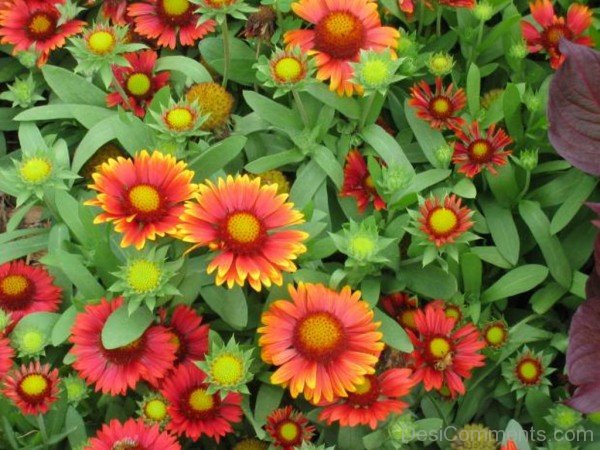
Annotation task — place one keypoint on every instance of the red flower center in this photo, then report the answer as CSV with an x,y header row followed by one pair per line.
x,y
145,202
319,336
16,292
41,26
175,12
367,392
340,34
529,371
552,35
122,356
480,151
242,232
127,444
199,404
34,388
441,107
289,433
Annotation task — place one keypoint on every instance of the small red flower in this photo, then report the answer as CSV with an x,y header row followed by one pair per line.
x,y
32,388
443,220
443,356
374,399
450,310
439,108
133,434
474,151
401,306
35,23
163,20
579,19
189,336
6,356
510,445
288,428
359,184
115,11
138,81
193,411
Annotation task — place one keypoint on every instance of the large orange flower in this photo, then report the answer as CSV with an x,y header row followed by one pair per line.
x,y
342,28
323,341
143,196
244,221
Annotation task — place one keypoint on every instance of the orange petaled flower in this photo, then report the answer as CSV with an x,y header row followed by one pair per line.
x,y
25,289
6,356
288,428
133,434
32,388
579,19
510,445
439,108
474,151
358,183
375,398
189,335
115,11
35,24
138,81
443,357
444,220
341,30
246,223
402,307
142,196
165,19
323,341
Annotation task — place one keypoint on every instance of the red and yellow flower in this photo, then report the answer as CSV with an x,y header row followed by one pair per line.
x,y
579,19
341,30
529,369
115,11
359,184
439,108
138,81
246,223
408,6
495,334
195,412
113,371
444,220
142,196
6,356
25,289
402,307
288,428
133,434
323,341
475,151
375,398
189,335
444,356
165,20
33,389
35,24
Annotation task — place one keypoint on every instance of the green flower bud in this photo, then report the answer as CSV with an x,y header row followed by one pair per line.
x,y
394,178
76,388
518,50
532,101
444,155
28,58
402,429
563,417
483,11
30,342
529,159
440,64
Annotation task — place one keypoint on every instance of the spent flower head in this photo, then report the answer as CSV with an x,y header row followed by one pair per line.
x,y
24,92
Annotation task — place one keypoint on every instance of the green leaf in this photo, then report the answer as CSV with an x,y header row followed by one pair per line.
x,y
30,138
217,156
122,329
274,161
308,180
465,189
387,147
393,334
68,208
43,321
429,281
274,113
73,267
472,271
192,69
512,111
330,165
345,105
241,62
473,89
267,400
502,225
71,88
87,115
429,139
515,432
546,297
74,421
517,281
229,304
572,204
504,185
23,247
550,246
62,328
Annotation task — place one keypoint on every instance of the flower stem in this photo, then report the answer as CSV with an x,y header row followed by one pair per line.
x,y
42,428
301,107
226,51
474,49
366,111
421,17
122,93
438,21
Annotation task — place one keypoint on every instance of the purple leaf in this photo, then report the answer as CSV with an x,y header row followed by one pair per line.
x,y
574,107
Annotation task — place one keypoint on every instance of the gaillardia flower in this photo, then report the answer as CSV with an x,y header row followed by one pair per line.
x,y
189,335
579,18
359,184
214,102
495,334
113,371
439,108
246,224
138,81
288,428
6,356
133,434
443,356
285,70
274,177
528,370
194,412
341,30
165,20
153,410
373,401
402,307
475,151
444,220
142,196
35,24
323,341
25,289
115,11
33,389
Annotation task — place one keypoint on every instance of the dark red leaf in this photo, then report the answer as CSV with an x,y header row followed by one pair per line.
x,y
574,107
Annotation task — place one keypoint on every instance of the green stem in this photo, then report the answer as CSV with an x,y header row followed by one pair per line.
x,y
42,428
226,51
122,93
526,186
421,17
301,108
474,49
438,21
366,110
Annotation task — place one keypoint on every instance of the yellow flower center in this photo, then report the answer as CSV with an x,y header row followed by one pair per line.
x,y
339,34
369,182
289,431
101,42
155,410
288,69
495,335
40,24
74,390
554,33
340,24
529,371
144,198
35,170
227,369
243,227
32,341
480,149
439,347
453,312
319,334
139,84
375,72
441,106
363,387
34,384
180,119
201,401
407,319
176,7
14,285
143,275
443,220
440,63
